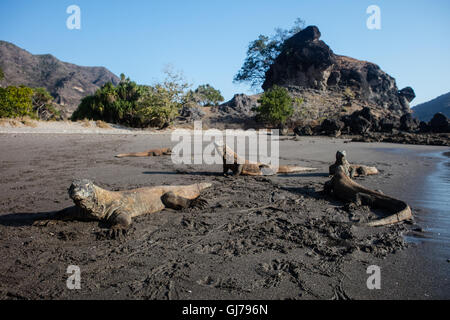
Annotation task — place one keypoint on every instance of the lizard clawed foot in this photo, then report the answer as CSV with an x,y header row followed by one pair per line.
x,y
199,203
115,233
44,223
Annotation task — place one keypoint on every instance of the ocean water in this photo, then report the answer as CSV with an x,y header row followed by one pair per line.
x,y
432,204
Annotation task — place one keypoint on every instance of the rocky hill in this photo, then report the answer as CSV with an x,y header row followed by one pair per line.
x,y
426,111
66,82
338,84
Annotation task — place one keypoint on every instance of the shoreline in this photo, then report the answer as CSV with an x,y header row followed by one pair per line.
x,y
237,248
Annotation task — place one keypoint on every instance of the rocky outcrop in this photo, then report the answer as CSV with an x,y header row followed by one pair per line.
x,y
439,124
372,127
191,113
427,110
240,104
235,113
308,62
67,83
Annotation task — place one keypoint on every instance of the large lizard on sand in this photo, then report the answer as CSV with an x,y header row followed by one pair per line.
x,y
352,170
344,188
148,153
239,166
117,208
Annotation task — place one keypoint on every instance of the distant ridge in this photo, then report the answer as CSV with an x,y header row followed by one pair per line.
x,y
426,111
67,83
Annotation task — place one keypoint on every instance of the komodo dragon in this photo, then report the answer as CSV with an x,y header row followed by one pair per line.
x,y
344,188
148,153
239,166
352,170
118,207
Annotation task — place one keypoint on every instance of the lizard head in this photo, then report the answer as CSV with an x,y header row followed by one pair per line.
x,y
82,192
340,156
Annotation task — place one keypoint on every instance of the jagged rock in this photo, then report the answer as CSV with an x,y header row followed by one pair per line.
x,y
408,93
406,138
387,125
306,130
283,130
307,62
191,112
409,123
303,62
360,122
424,127
235,113
332,127
241,104
440,124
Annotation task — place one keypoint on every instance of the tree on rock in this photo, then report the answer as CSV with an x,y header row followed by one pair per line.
x,y
208,96
262,52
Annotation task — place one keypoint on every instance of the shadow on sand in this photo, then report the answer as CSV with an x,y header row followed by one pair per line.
x,y
192,173
30,218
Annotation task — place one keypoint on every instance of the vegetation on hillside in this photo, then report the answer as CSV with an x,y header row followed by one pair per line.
x,y
262,52
205,95
136,105
22,101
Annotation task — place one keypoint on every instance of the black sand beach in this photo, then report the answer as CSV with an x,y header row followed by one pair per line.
x,y
259,238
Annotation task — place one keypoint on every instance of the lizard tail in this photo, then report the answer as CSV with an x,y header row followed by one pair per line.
x,y
293,169
400,216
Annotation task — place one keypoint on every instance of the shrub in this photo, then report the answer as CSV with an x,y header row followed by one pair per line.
x,y
275,106
158,107
349,95
23,101
135,105
16,102
206,95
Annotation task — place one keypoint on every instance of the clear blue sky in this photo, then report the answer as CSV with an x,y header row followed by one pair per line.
x,y
207,39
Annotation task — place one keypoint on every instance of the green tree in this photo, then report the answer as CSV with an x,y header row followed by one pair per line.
x,y
135,105
158,108
2,75
206,95
16,102
276,106
163,101
262,52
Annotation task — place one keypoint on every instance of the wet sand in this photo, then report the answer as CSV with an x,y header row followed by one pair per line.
x,y
259,238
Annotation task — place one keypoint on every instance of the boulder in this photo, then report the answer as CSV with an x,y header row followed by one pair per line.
x,y
192,112
332,127
240,104
387,125
360,122
440,124
408,123
306,130
424,127
408,93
